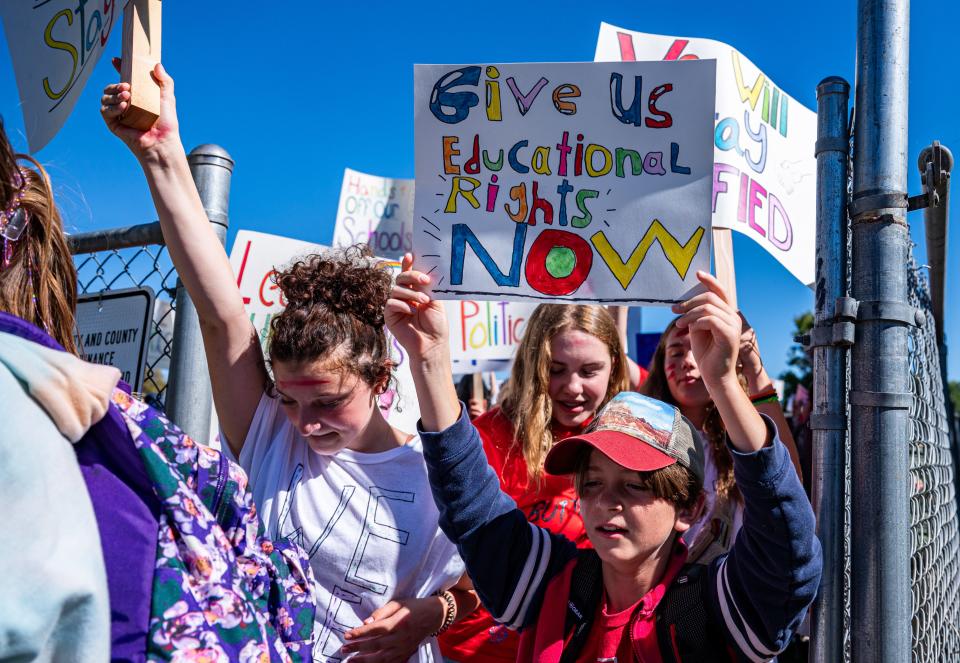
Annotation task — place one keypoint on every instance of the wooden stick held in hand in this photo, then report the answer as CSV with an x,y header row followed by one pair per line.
x,y
141,53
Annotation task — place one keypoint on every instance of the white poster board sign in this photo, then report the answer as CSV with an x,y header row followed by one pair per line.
x,y
254,258
582,182
377,211
54,46
113,328
765,171
485,334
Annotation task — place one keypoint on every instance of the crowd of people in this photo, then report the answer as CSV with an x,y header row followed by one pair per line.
x,y
594,512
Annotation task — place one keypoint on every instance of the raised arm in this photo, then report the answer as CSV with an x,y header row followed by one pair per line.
x,y
237,370
771,575
509,559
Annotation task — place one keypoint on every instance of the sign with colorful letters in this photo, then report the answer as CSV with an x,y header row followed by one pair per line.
x,y
765,171
54,46
377,211
584,182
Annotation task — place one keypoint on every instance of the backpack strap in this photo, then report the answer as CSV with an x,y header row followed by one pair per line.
x,y
586,590
685,631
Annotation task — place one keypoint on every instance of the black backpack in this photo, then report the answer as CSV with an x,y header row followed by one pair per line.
x,y
685,632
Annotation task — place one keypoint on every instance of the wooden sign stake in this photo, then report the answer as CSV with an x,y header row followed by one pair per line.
x,y
477,387
723,262
141,53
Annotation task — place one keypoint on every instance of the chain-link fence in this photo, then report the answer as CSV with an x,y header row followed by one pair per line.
x,y
934,533
101,268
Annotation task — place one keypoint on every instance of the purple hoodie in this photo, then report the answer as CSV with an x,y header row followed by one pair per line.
x,y
127,513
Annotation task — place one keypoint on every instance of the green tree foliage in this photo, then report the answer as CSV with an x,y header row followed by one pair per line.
x,y
800,369
955,395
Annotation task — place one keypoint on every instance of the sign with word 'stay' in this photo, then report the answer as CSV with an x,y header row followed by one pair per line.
x,y
765,171
54,46
582,182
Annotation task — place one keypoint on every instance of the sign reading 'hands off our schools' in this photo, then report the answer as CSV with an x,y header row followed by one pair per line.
x,y
765,171
581,182
55,45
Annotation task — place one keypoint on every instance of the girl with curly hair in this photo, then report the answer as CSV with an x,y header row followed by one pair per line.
x,y
325,466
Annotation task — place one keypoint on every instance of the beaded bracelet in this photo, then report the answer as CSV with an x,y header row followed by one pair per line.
x,y
451,613
768,395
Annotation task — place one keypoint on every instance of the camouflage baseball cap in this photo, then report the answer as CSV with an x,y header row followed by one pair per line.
x,y
637,432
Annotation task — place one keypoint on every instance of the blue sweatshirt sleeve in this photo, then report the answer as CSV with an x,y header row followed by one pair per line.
x,y
761,590
509,560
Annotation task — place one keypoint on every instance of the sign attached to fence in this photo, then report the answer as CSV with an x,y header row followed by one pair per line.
x,y
113,328
377,211
255,257
765,171
583,182
54,46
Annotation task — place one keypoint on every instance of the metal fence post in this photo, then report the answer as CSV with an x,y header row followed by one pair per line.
x,y
828,420
189,397
880,395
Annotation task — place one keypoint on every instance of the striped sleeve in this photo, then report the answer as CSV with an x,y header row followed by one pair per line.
x,y
509,560
762,589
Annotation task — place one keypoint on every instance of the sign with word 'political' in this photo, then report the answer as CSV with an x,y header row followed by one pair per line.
x,y
377,211
113,328
54,46
765,170
582,182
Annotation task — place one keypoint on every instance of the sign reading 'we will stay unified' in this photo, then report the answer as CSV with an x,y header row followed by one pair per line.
x,y
583,182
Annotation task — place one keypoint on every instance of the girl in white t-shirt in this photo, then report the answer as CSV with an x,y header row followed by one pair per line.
x,y
674,378
325,467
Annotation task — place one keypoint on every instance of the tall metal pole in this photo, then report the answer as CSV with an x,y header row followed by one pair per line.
x,y
189,396
880,395
832,328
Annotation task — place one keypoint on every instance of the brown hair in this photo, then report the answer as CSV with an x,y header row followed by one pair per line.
x,y
524,398
40,283
673,483
335,311
657,386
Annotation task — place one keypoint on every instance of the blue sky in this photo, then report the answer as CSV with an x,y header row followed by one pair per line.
x,y
297,91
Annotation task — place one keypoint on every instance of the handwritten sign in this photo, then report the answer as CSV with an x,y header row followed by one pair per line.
x,y
484,334
764,179
584,182
255,257
54,46
377,211
113,328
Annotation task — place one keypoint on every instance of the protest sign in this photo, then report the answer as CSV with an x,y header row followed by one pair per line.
x,y
594,186
54,46
255,257
377,211
484,334
113,328
764,179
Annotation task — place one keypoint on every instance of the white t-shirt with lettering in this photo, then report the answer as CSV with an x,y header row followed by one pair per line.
x,y
367,521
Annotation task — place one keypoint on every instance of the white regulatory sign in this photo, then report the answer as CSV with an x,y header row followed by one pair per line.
x,y
113,328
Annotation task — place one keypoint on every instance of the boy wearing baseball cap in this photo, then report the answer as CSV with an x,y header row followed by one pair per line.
x,y
638,469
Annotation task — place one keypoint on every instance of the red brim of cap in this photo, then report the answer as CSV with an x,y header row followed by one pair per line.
x,y
622,449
